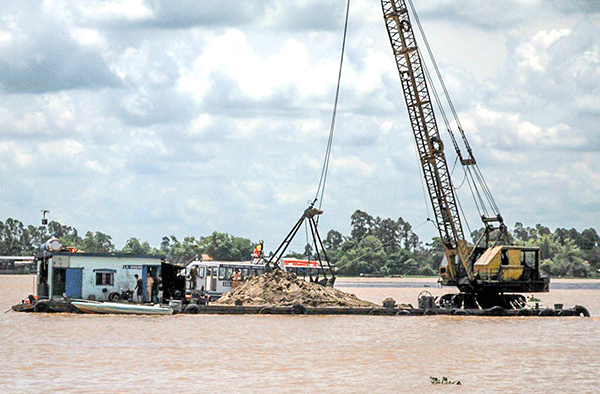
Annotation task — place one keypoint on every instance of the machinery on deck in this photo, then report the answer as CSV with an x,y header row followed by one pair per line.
x,y
491,271
324,266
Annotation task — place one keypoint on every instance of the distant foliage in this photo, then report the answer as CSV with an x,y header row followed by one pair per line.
x,y
375,246
381,246
563,252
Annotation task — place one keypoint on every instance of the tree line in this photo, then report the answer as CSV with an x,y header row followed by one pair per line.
x,y
374,246
390,247
16,239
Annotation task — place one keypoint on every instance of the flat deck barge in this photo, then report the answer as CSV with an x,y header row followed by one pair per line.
x,y
65,306
298,309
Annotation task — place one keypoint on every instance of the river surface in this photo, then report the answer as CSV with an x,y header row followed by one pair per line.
x,y
72,353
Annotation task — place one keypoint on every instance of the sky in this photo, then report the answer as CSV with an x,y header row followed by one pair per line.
x,y
176,117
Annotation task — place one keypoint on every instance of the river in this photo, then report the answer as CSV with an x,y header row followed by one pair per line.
x,y
71,353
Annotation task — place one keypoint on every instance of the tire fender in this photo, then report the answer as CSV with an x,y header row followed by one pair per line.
x,y
192,309
582,310
298,309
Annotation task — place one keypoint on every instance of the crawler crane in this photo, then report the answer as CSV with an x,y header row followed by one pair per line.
x,y
489,273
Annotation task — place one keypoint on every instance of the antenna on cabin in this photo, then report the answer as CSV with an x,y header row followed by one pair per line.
x,y
44,220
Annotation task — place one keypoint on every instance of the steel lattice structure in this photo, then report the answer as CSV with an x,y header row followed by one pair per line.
x,y
424,125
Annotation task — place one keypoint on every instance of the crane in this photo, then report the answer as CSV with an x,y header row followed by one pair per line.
x,y
488,272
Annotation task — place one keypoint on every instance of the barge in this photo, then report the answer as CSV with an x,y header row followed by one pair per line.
x,y
299,309
177,307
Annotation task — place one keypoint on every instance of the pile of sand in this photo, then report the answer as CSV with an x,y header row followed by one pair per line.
x,y
281,288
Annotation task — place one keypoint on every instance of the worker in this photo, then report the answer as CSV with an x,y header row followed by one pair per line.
x,y
193,277
149,283
235,278
257,251
161,288
139,286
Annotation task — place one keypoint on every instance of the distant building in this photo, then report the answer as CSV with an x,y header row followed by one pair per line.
x,y
17,265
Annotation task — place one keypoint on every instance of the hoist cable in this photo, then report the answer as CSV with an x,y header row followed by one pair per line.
x,y
321,188
476,177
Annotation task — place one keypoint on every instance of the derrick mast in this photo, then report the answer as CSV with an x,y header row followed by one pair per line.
x,y
429,144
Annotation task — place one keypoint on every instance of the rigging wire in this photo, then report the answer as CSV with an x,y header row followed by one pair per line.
x,y
321,188
482,192
439,75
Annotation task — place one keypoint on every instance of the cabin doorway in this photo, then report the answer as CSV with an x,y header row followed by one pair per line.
x,y
59,280
42,280
153,272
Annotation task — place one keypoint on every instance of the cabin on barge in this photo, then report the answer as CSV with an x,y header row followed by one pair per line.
x,y
92,276
65,274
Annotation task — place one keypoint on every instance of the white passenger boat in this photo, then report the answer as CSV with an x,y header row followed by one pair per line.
x,y
121,308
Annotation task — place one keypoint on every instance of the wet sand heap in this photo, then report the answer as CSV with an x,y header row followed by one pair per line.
x,y
281,288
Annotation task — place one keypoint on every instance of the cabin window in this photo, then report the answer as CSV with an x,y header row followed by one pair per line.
x,y
225,273
528,258
105,278
504,260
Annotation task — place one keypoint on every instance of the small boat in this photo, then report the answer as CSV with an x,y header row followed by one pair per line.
x,y
121,308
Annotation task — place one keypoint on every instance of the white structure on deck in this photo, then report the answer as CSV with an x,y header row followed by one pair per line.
x,y
92,276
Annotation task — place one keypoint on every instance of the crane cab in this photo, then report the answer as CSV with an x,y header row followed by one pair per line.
x,y
507,263
498,269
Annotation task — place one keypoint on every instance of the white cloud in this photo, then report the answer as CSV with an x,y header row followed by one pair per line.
x,y
105,11
163,118
534,52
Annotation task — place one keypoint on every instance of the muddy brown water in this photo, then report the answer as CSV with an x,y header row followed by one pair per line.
x,y
71,353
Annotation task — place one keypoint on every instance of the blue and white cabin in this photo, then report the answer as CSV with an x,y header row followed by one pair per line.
x,y
92,276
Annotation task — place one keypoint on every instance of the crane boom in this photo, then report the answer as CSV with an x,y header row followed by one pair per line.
x,y
483,274
429,144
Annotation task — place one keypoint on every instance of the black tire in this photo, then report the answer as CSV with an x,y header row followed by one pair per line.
x,y
525,312
496,311
428,312
73,309
41,307
298,309
547,312
375,311
582,310
403,312
266,311
192,309
114,297
460,312
565,312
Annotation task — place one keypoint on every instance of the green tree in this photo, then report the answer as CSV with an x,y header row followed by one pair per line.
x,y
333,240
362,224
12,238
97,243
225,247
388,232
135,247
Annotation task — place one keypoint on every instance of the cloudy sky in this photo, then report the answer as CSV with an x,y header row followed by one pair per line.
x,y
179,117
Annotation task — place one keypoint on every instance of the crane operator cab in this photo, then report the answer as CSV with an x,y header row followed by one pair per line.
x,y
500,269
